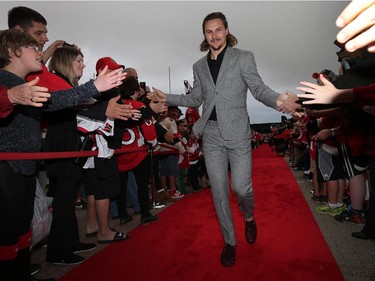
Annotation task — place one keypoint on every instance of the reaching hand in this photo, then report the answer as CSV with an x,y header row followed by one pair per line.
x,y
51,49
324,94
121,111
324,134
358,25
29,94
168,136
369,109
157,96
286,103
158,107
107,81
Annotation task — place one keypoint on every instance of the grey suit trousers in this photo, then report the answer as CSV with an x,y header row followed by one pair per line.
x,y
217,154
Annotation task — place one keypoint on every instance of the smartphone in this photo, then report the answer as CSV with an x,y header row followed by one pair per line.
x,y
143,85
67,45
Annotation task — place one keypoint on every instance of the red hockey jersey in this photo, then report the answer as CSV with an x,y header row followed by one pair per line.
x,y
137,135
192,115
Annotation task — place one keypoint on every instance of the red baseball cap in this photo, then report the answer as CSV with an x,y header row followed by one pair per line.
x,y
330,75
112,64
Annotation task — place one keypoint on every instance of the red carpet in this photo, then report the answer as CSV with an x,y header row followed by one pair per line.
x,y
185,244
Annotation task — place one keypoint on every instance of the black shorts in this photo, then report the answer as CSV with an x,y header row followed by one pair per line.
x,y
328,166
169,165
103,182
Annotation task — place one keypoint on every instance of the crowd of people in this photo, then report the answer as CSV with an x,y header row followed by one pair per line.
x,y
161,150
120,117
332,140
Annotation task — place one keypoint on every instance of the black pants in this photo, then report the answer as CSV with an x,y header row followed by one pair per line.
x,y
193,173
157,181
17,193
64,235
142,176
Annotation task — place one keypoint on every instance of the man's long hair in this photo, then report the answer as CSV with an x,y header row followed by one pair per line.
x,y
231,39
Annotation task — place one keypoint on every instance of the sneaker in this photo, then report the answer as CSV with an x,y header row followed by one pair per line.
x,y
162,195
329,211
306,172
84,247
172,191
351,217
176,195
80,205
72,260
159,205
35,268
149,219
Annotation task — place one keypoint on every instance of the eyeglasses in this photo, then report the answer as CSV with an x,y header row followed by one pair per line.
x,y
35,47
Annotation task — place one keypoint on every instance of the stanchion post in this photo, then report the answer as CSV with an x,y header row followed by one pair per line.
x,y
152,176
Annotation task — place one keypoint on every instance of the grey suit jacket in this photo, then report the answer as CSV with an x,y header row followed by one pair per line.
x,y
238,73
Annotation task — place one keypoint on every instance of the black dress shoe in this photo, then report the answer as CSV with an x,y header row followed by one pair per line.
x,y
363,235
250,231
228,256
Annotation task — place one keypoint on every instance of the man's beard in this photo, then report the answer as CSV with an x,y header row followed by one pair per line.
x,y
217,48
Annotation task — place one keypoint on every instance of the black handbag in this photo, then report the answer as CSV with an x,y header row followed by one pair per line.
x,y
86,145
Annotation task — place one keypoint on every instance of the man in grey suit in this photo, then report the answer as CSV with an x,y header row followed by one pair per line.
x,y
221,81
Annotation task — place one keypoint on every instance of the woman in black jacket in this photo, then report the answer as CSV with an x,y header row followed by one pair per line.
x,y
64,174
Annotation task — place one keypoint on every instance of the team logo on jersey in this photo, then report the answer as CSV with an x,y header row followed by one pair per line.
x,y
107,127
129,137
148,122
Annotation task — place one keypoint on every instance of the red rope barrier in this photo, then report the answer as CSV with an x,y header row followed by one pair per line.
x,y
73,154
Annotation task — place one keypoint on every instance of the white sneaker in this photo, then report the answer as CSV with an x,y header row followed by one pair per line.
x,y
159,205
176,195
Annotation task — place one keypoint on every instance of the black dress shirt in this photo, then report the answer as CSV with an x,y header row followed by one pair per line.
x,y
214,66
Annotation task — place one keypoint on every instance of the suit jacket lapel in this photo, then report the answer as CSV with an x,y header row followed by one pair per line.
x,y
206,72
225,65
